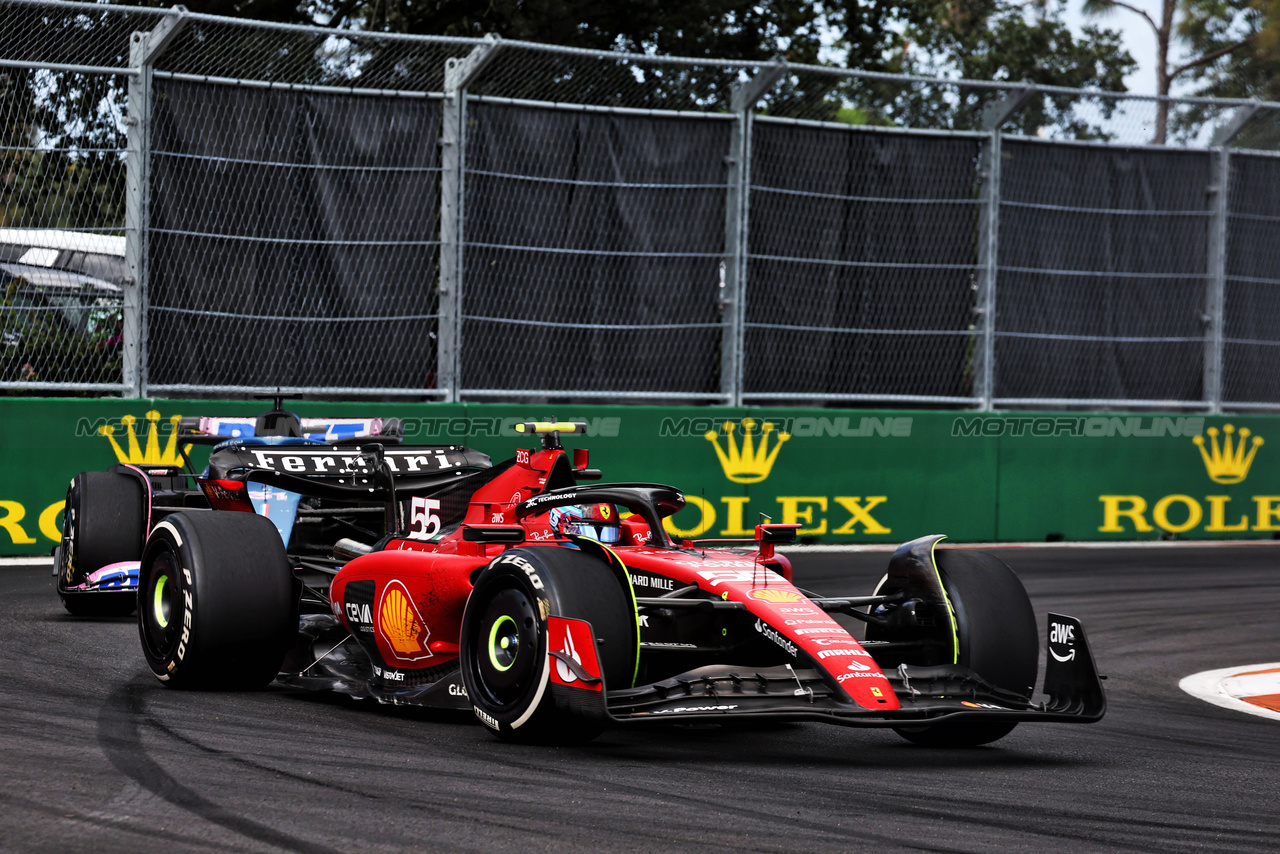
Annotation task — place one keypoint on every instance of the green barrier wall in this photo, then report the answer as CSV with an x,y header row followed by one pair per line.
x,y
844,475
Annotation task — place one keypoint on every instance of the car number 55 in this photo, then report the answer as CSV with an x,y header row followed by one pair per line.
x,y
423,521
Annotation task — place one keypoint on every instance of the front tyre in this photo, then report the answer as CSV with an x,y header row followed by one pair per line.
x,y
996,630
103,523
506,666
217,607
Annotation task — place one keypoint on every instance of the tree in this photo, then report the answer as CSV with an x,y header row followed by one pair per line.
x,y
1239,41
1231,45
981,39
1000,40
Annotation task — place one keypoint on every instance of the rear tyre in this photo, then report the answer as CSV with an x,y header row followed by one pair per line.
x,y
505,663
996,629
104,522
217,607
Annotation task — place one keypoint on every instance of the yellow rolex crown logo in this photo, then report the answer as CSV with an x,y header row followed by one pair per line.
x,y
752,462
1228,463
152,455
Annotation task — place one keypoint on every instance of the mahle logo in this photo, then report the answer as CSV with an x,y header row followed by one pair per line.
x,y
152,455
1227,462
752,462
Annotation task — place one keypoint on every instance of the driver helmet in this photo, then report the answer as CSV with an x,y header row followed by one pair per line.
x,y
598,522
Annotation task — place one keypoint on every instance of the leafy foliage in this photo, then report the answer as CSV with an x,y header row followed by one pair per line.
x,y
977,39
61,151
75,339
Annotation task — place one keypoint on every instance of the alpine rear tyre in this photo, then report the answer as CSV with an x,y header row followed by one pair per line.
x,y
217,606
506,665
103,523
996,630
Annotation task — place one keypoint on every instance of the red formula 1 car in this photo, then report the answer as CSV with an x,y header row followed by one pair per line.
x,y
554,609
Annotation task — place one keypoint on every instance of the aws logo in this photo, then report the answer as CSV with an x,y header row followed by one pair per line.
x,y
751,461
1227,462
150,454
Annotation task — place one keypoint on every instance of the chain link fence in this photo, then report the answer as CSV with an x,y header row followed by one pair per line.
x,y
193,204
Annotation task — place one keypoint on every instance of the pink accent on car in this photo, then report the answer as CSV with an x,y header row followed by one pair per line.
x,y
146,531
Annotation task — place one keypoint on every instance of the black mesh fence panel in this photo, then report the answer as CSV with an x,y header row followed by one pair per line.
x,y
294,238
592,249
1251,327
1102,272
861,264
195,203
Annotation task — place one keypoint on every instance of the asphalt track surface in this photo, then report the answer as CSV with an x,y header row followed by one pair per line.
x,y
96,755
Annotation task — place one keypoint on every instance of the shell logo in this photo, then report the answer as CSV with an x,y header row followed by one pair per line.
x,y
775,595
402,626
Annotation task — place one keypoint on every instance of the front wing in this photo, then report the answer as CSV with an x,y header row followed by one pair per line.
x,y
1072,692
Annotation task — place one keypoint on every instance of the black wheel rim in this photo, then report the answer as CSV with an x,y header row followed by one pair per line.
x,y
506,647
160,605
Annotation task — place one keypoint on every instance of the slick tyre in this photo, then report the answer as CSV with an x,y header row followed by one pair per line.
x,y
104,522
505,662
217,607
996,629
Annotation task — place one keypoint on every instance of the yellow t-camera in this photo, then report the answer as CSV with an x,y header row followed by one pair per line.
x,y
551,427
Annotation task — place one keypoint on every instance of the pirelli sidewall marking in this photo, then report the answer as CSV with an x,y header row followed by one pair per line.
x,y
843,476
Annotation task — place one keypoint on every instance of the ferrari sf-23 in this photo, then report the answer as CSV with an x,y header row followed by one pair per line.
x,y
554,607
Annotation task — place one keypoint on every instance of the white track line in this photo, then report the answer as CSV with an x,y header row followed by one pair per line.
x,y
1225,687
27,560
1115,544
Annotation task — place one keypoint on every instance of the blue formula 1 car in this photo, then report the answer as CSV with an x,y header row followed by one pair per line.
x,y
109,513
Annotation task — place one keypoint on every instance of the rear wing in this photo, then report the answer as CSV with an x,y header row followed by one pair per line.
x,y
211,429
346,472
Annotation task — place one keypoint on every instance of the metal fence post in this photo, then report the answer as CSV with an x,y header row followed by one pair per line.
x,y
1216,280
984,357
144,49
453,140
988,257
737,204
135,217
